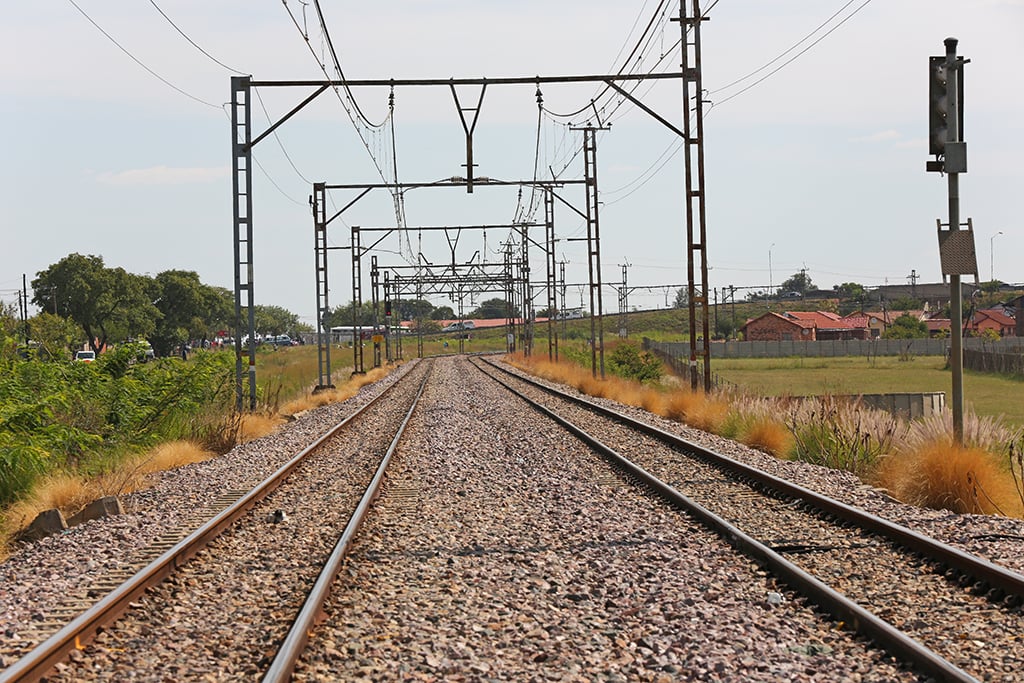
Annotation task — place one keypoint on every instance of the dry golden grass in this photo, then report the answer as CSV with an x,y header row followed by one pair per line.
x,y
942,475
708,413
767,434
342,393
254,425
679,404
70,493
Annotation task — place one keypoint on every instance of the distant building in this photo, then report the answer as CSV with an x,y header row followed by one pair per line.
x,y
804,326
934,294
992,319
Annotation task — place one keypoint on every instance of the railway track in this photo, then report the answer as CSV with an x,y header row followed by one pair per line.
x,y
178,616
948,612
500,547
503,549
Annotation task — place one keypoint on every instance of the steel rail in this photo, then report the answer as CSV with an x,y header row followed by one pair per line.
x,y
861,620
80,630
994,576
295,642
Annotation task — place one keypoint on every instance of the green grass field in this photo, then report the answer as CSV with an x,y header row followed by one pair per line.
x,y
985,394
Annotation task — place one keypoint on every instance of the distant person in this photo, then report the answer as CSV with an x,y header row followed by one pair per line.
x,y
184,352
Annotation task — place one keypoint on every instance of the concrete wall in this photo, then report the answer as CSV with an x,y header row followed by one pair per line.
x,y
831,348
907,405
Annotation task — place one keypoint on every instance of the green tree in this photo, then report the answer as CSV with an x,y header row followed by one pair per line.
x,y
906,327
342,315
493,308
850,290
798,282
274,320
179,296
56,336
107,303
682,299
412,309
904,303
442,313
628,361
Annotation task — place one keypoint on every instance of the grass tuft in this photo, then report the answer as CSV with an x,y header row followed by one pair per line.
x,y
945,476
767,434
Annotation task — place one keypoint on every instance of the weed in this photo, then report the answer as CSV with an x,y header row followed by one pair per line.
x,y
842,434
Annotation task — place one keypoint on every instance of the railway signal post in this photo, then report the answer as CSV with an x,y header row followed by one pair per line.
x,y
956,246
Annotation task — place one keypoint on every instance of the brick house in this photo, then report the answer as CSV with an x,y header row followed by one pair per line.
x,y
992,319
774,327
830,326
939,327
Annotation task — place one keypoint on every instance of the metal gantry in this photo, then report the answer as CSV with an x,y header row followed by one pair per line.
x,y
241,183
323,309
243,143
696,229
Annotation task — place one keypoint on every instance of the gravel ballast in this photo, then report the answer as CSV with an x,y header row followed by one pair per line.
x,y
502,549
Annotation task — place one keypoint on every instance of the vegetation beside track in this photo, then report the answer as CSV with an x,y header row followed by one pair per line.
x,y
918,462
72,432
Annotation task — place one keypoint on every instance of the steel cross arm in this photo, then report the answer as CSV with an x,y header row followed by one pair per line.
x,y
455,182
499,266
347,206
578,212
650,287
451,227
507,80
658,117
290,114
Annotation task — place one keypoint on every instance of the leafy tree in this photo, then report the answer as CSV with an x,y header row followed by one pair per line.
x,y
274,319
798,282
442,313
850,290
105,302
179,297
412,309
56,336
682,299
906,327
726,327
342,315
493,308
904,303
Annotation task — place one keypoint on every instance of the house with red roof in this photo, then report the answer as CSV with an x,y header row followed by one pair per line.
x,y
829,326
992,319
774,327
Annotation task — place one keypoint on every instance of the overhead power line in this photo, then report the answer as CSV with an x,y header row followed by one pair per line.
x,y
139,62
794,57
194,43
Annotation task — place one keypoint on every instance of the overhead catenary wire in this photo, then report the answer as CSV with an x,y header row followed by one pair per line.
x,y
796,56
192,42
399,211
674,147
139,61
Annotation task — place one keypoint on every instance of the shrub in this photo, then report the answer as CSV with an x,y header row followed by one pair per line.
x,y
627,361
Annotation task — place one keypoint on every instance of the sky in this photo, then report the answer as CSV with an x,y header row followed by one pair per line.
x,y
116,138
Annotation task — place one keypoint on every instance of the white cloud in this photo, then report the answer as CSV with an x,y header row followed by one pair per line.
x,y
881,136
163,175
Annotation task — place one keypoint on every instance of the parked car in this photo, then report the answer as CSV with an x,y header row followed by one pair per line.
x,y
281,340
85,356
459,326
